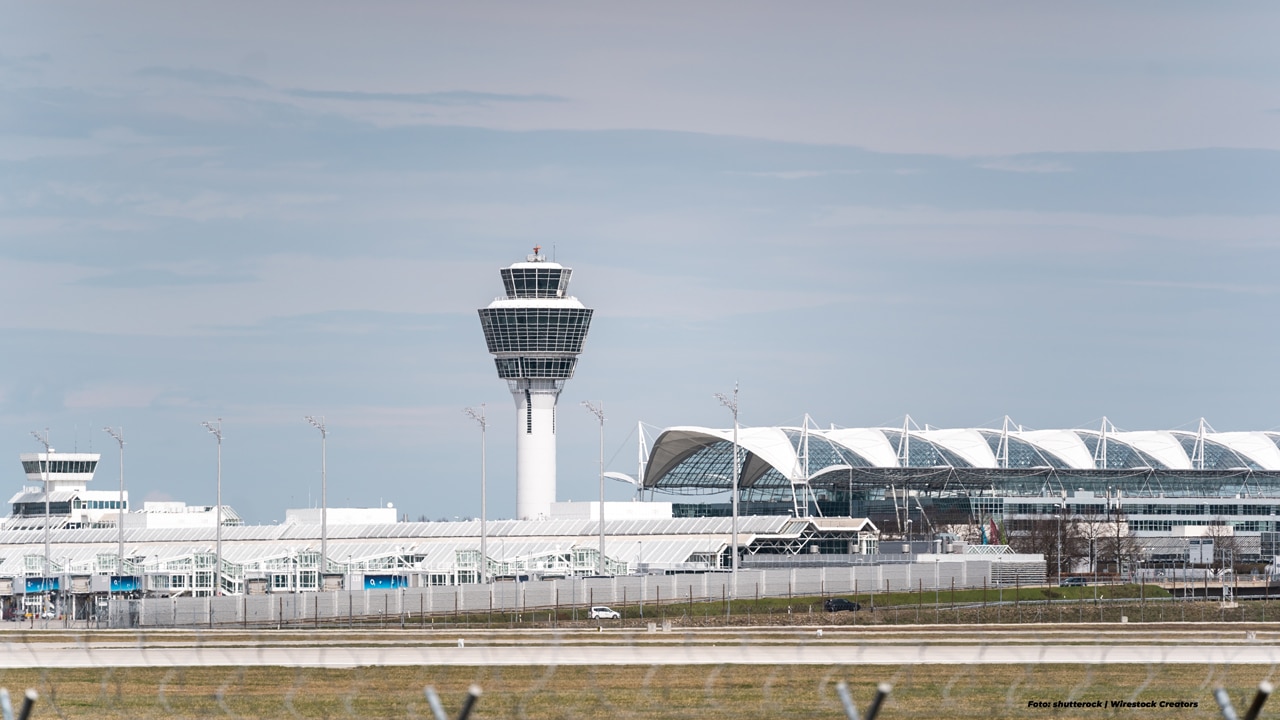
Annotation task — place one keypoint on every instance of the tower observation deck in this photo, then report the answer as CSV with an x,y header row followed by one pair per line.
x,y
535,334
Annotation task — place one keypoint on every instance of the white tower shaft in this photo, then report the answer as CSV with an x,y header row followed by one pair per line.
x,y
535,450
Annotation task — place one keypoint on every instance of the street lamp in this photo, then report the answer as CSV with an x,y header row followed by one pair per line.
x,y
324,496
215,427
732,404
44,470
484,530
118,436
598,411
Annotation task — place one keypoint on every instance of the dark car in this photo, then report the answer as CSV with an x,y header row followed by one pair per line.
x,y
1073,582
840,605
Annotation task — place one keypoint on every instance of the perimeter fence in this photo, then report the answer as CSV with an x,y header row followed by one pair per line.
x,y
1179,670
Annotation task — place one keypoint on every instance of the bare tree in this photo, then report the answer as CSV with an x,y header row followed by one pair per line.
x,y
1119,548
1093,526
1226,548
1058,539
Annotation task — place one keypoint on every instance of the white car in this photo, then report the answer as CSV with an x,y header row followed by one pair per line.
x,y
600,612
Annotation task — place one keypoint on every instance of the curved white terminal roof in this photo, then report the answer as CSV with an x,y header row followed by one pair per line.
x,y
690,456
1064,445
1162,446
968,444
1259,447
868,443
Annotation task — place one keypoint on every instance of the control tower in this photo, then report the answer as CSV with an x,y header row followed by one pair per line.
x,y
535,334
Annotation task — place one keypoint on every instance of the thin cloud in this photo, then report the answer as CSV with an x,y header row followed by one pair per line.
x,y
25,63
200,76
154,278
1018,164
1231,288
451,98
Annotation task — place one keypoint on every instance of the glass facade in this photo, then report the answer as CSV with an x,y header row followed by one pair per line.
x,y
36,509
923,453
535,330
1022,454
37,467
1216,455
822,452
707,469
1120,455
536,282
523,367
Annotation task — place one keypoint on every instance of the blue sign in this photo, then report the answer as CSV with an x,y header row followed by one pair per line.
x,y
39,585
385,582
125,583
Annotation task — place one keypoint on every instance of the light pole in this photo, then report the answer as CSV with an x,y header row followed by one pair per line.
x,y
732,404
1060,509
215,427
118,436
484,519
598,411
44,469
324,496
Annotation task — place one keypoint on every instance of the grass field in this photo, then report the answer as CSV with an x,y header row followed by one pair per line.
x,y
617,693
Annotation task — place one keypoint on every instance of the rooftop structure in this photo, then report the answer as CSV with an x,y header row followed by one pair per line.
x,y
70,501
535,334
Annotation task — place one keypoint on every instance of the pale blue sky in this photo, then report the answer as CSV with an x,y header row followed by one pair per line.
x,y
957,211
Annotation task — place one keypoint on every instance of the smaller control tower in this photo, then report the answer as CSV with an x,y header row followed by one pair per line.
x,y
535,334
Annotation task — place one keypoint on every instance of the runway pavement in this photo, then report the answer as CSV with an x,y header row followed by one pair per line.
x,y
593,649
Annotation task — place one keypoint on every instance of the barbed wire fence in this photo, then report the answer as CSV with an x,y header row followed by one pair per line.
x,y
894,673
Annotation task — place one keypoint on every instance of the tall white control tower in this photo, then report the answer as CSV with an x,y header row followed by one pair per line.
x,y
535,334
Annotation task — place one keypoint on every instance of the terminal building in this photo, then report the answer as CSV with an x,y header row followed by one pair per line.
x,y
1164,488
74,552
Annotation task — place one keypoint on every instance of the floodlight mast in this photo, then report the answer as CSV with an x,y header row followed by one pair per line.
x,y
118,436
215,427
732,404
484,514
45,477
598,411
324,496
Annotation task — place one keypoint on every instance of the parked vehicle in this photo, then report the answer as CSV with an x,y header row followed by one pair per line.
x,y
840,605
1073,582
600,612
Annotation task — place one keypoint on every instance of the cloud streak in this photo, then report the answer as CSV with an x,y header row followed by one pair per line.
x,y
200,76
451,98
